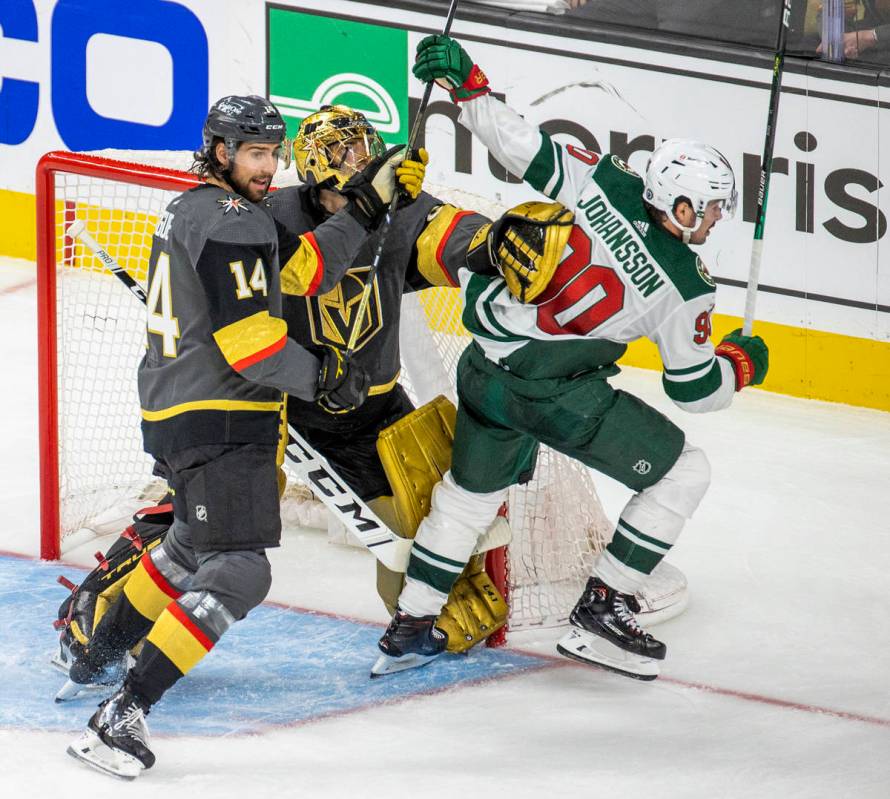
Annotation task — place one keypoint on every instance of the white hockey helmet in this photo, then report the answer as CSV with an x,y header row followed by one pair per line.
x,y
683,168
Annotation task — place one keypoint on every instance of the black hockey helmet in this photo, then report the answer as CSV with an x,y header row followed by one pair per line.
x,y
242,118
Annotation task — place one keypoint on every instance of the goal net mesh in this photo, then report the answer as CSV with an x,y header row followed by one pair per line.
x,y
558,522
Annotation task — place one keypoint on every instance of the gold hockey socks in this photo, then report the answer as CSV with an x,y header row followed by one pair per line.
x,y
186,630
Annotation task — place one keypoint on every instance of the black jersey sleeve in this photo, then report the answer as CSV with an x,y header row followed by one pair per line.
x,y
315,261
441,247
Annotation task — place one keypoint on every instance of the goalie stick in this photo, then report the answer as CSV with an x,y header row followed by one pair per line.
x,y
390,549
766,163
387,220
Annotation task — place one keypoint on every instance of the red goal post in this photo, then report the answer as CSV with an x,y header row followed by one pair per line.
x,y
54,214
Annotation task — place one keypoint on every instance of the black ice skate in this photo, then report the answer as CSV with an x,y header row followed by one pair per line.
x,y
409,642
605,633
116,740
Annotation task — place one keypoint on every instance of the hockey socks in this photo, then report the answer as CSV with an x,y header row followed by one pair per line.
x,y
184,633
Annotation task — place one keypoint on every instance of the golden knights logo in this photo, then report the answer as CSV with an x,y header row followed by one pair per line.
x,y
333,315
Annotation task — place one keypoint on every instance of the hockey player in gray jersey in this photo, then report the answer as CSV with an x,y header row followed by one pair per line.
x,y
218,358
606,263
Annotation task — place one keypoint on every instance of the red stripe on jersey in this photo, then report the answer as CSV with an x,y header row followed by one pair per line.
x,y
182,617
250,360
319,272
158,579
440,250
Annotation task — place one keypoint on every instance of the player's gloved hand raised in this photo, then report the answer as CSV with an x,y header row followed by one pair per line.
x,y
442,59
342,384
410,174
748,355
372,189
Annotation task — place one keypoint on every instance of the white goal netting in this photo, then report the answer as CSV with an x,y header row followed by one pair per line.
x,y
558,522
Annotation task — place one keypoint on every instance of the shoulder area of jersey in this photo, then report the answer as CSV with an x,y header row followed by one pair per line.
x,y
703,272
622,166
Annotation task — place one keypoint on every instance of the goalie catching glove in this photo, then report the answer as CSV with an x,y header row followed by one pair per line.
x,y
525,246
342,384
442,59
748,355
371,190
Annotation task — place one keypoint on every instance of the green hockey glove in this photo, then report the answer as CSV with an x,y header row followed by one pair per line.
x,y
748,355
442,59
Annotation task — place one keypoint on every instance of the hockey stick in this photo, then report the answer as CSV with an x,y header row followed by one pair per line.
x,y
387,220
77,229
390,549
766,167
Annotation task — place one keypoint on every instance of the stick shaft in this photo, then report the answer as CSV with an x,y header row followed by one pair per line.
x,y
766,167
390,211
102,254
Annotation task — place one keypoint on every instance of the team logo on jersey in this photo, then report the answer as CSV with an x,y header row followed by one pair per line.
x,y
236,204
622,165
332,316
201,513
641,226
703,272
642,467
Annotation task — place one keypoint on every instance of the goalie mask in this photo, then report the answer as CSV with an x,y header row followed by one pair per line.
x,y
684,169
526,245
334,144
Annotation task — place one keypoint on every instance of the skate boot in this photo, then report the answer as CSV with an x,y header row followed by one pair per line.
x,y
409,642
116,740
605,633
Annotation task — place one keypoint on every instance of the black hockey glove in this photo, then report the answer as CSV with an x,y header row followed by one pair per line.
x,y
342,384
370,191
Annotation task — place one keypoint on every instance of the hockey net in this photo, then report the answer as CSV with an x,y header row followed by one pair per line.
x,y
94,473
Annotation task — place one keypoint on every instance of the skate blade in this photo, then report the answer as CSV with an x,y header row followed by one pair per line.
x,y
593,650
61,663
386,664
90,749
72,690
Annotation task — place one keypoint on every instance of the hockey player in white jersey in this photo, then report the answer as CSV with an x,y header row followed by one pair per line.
x,y
573,281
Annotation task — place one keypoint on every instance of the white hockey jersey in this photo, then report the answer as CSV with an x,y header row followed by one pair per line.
x,y
621,277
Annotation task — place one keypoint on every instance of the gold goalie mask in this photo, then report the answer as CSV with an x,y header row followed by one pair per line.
x,y
333,144
526,245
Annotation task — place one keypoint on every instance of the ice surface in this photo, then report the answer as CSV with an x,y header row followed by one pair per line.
x,y
775,683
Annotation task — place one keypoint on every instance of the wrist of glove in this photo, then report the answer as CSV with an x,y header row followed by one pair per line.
x,y
371,190
748,355
442,59
342,384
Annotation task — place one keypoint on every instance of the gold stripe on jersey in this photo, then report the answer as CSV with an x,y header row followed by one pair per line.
x,y
383,388
431,244
304,270
209,405
248,340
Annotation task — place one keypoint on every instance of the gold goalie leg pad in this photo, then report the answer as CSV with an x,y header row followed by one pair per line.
x,y
474,610
416,452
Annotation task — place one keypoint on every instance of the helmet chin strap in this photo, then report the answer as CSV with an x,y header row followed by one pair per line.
x,y
685,232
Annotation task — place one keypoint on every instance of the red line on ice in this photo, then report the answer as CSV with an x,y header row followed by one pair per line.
x,y
18,286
